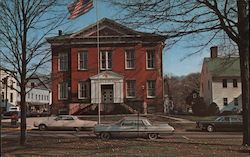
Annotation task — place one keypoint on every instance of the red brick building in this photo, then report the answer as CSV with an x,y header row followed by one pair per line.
x,y
127,76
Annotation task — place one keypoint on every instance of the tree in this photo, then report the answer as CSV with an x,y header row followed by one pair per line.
x,y
206,18
23,26
213,109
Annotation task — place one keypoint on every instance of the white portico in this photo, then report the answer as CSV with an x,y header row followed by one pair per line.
x,y
107,88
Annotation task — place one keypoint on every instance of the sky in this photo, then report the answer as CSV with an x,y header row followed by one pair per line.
x,y
173,63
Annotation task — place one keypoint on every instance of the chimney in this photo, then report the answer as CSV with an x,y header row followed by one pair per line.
x,y
214,52
59,32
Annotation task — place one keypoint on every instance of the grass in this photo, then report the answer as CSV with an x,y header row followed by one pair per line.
x,y
51,146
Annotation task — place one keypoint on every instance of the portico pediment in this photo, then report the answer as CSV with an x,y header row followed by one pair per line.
x,y
107,75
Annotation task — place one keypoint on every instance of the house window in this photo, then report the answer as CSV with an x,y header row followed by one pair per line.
x,y
11,97
131,88
31,95
83,90
236,102
63,90
235,84
150,59
130,59
151,88
224,83
32,84
106,60
83,60
225,102
63,62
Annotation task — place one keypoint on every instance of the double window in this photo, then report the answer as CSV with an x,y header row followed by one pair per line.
x,y
63,62
106,60
83,60
150,59
63,90
83,90
130,59
131,86
151,88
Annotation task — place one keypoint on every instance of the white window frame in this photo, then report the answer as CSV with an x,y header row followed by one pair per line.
x,y
127,88
152,59
65,85
63,61
107,65
149,88
80,89
132,59
83,60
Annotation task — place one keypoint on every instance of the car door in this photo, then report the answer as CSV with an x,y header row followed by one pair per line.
x,y
55,123
225,123
69,123
236,123
127,128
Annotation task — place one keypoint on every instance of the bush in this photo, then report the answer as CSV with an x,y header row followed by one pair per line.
x,y
199,107
213,109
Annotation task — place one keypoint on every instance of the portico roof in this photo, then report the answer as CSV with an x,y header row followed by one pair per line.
x,y
107,75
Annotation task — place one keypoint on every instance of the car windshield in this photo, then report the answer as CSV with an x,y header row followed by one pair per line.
x,y
147,122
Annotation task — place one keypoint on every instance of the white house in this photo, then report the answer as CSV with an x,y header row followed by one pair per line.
x,y
38,98
7,89
220,81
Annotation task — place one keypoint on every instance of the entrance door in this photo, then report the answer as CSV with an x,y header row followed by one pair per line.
x,y
107,94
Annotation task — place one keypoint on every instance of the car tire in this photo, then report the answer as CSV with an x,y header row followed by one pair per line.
x,y
105,135
153,136
210,128
42,127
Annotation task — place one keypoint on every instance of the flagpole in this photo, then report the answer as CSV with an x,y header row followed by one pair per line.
x,y
98,64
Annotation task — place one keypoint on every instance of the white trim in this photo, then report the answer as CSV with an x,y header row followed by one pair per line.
x,y
125,58
59,91
78,59
79,95
147,50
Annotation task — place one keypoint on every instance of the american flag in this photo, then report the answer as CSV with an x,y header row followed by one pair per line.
x,y
79,7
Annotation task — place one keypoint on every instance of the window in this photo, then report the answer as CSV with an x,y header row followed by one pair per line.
x,y
63,62
151,88
225,101
236,102
83,60
28,95
150,59
11,97
130,88
224,83
2,96
130,59
32,84
235,85
31,95
106,60
63,90
83,90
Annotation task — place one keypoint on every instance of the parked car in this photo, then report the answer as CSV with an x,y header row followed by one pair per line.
x,y
233,122
132,127
66,122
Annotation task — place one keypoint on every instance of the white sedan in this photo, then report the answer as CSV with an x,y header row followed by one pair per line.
x,y
64,122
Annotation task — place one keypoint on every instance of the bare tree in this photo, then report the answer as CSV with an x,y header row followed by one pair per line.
x,y
23,26
207,18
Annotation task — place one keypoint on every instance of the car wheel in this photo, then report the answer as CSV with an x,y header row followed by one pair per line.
x,y
152,136
210,128
42,127
77,129
105,135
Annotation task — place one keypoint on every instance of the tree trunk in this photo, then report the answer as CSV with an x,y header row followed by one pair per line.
x,y
243,45
23,116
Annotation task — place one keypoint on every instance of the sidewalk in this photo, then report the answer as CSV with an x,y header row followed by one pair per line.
x,y
178,120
